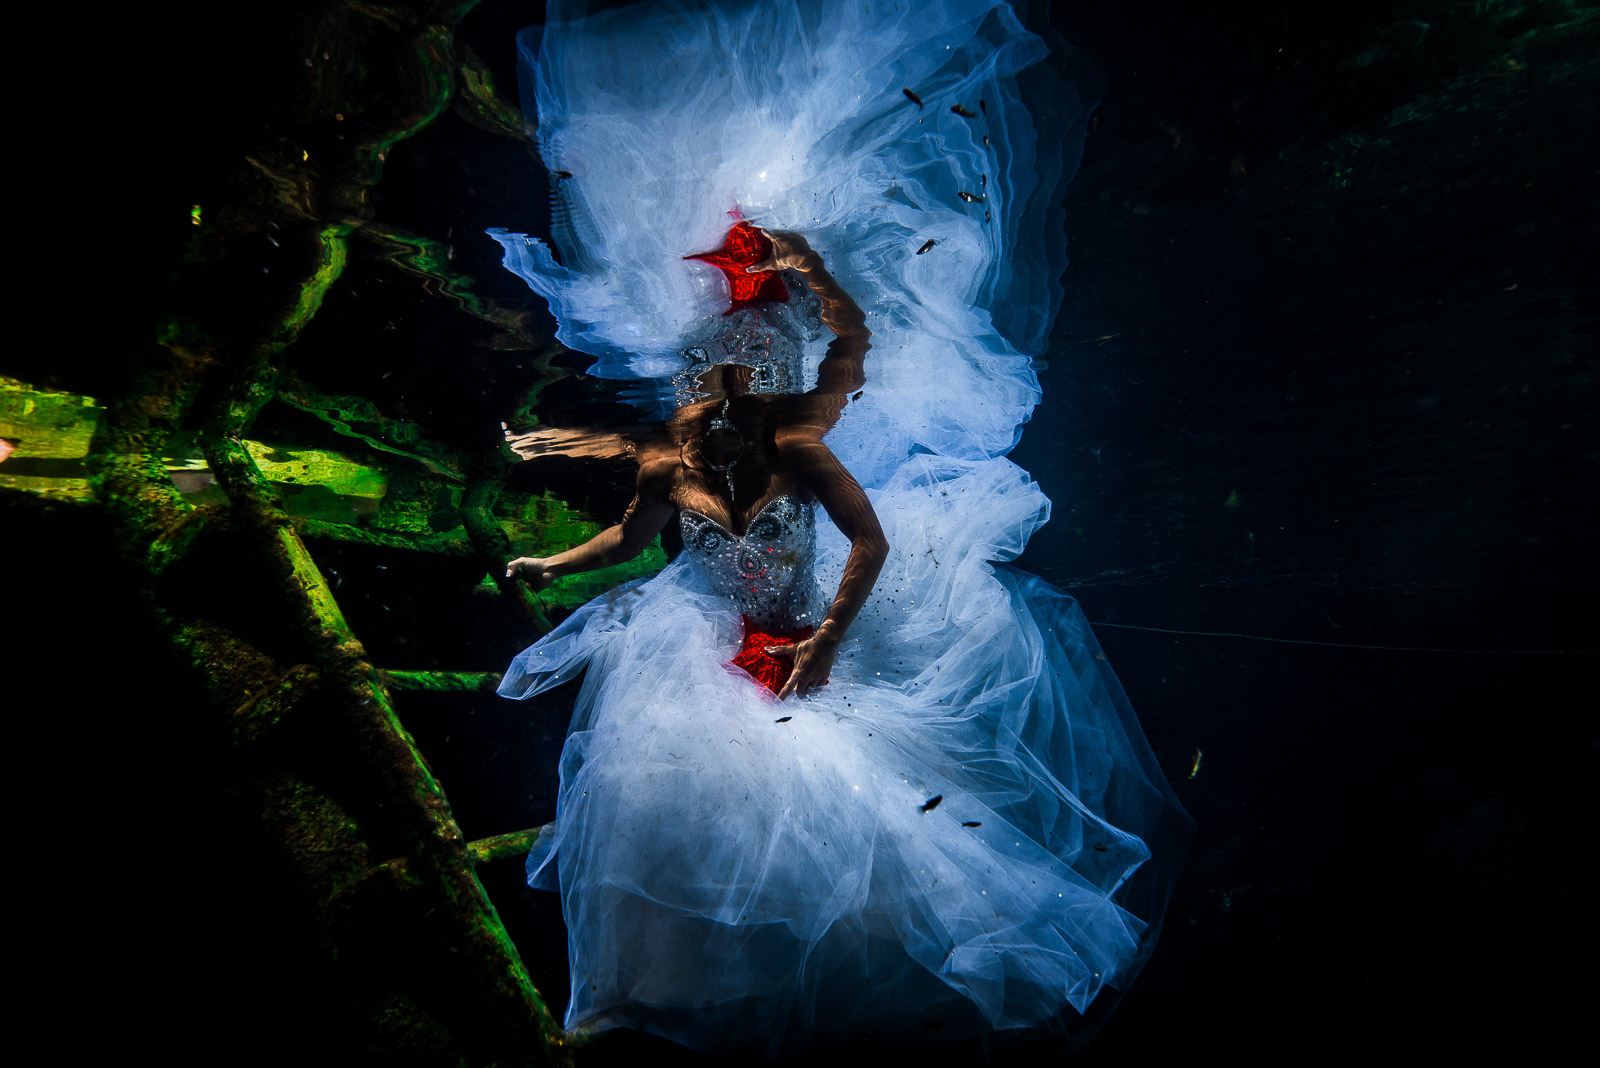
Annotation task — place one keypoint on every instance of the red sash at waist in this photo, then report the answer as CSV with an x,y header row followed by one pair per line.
x,y
753,658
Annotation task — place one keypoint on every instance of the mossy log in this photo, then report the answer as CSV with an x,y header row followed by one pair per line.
x,y
339,782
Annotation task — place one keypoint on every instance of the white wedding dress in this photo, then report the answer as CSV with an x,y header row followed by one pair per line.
x,y
965,834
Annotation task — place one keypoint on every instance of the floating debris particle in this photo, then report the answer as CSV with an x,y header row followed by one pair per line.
x,y
913,97
1101,847
963,112
970,198
926,246
932,803
1195,770
562,174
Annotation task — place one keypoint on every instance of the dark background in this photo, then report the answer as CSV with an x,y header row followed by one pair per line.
x,y
1319,410
1344,251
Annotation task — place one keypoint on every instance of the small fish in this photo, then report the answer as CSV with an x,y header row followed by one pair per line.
x,y
985,140
972,823
562,174
932,803
970,198
983,105
983,181
963,112
1195,770
986,215
785,719
1101,847
926,246
913,97
857,396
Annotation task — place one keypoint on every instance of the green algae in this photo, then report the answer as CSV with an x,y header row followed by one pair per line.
x,y
442,681
503,846
480,102
207,514
47,436
336,473
397,437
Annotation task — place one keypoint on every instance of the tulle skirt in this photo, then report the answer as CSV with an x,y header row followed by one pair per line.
x,y
953,838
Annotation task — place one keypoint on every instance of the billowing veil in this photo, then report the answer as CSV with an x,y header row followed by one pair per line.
x,y
972,790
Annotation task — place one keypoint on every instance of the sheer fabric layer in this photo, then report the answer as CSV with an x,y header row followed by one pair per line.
x,y
722,856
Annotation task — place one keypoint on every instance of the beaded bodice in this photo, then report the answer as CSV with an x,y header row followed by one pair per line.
x,y
767,572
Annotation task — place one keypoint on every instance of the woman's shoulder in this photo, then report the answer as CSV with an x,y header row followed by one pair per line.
x,y
660,472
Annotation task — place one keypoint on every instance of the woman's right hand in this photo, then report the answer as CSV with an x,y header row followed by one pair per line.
x,y
813,661
531,570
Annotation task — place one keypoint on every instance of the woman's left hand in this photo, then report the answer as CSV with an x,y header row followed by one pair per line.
x,y
813,660
790,252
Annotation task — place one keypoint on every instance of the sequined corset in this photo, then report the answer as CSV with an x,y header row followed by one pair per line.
x,y
767,572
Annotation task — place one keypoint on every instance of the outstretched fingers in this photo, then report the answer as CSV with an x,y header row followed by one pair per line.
x,y
809,670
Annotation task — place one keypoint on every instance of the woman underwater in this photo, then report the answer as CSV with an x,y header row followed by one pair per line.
x,y
922,810
743,470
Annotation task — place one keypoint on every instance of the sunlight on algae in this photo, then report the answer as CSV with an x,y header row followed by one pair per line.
x,y
44,437
335,253
319,484
342,494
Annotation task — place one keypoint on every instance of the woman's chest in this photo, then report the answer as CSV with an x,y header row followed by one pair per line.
x,y
766,570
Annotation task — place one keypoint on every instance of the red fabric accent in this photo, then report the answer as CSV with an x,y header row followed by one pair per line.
x,y
753,658
745,246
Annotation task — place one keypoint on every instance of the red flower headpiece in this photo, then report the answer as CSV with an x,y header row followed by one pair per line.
x,y
746,246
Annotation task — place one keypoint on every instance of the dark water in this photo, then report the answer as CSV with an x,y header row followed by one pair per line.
x,y
1319,429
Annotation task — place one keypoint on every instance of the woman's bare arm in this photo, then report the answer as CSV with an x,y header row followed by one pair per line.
x,y
646,515
846,503
572,442
842,369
